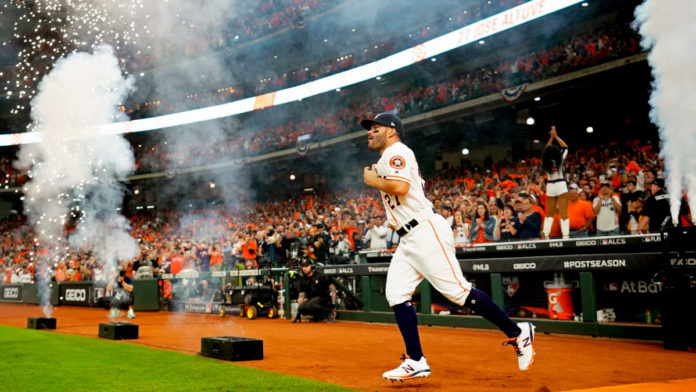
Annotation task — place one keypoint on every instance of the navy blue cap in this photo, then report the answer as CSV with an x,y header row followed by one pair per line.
x,y
386,119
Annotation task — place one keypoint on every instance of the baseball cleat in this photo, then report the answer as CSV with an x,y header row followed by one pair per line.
x,y
409,369
524,346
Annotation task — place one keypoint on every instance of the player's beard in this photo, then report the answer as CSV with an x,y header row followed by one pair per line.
x,y
378,142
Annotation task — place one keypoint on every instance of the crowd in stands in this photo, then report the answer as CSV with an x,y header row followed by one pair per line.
x,y
614,42
482,204
279,15
253,20
593,48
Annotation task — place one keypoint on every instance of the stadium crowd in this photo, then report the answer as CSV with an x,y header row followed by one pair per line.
x,y
483,204
599,46
282,14
602,45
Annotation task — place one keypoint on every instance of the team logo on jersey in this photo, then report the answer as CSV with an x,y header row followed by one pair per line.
x,y
397,162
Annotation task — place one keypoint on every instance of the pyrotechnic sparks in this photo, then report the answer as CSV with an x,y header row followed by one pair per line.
x,y
47,30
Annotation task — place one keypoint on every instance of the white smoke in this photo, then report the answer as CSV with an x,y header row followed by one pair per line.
x,y
668,30
75,172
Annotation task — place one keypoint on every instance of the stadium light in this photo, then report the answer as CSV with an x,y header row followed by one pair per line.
x,y
474,32
530,121
465,151
292,177
589,129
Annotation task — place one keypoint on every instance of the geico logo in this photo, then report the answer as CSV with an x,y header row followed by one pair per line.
x,y
11,292
75,294
585,243
503,247
519,266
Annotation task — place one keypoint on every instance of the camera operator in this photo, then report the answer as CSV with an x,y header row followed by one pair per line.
x,y
121,288
321,242
317,295
271,245
291,245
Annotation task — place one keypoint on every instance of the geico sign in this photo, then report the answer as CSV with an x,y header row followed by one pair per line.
x,y
11,292
75,295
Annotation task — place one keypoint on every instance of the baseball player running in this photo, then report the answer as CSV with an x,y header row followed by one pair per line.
x,y
426,250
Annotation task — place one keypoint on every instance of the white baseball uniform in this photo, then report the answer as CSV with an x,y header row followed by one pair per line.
x,y
427,250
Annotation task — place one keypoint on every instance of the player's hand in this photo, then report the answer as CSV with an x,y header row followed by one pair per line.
x,y
370,175
553,132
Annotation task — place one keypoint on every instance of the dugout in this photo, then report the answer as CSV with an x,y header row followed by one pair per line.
x,y
614,291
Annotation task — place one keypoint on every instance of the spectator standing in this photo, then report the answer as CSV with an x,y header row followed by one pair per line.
x,y
509,224
530,220
249,248
606,206
483,226
377,233
629,195
579,212
460,229
446,212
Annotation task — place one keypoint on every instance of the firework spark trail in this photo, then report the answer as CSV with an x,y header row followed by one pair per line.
x,y
668,31
47,30
74,177
141,32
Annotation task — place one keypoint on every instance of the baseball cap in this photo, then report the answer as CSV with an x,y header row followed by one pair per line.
x,y
306,262
604,183
659,182
386,119
574,186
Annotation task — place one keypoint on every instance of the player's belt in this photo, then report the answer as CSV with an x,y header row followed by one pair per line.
x,y
407,227
401,231
556,180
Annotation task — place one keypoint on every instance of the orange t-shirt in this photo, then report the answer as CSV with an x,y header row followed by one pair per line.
x,y
249,250
579,213
176,264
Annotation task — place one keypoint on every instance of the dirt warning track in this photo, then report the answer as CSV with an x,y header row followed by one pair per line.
x,y
355,354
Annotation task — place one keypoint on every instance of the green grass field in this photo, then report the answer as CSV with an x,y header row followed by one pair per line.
x,y
32,360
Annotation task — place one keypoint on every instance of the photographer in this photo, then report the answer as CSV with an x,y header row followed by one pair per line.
x,y
271,245
321,242
317,295
121,288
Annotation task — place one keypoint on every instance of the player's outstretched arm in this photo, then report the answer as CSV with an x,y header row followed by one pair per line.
x,y
391,187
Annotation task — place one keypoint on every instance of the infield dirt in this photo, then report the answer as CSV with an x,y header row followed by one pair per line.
x,y
355,354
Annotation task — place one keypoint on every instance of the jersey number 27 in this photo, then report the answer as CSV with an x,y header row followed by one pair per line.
x,y
390,203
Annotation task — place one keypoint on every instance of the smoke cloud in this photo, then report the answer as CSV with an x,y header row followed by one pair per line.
x,y
668,30
74,172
